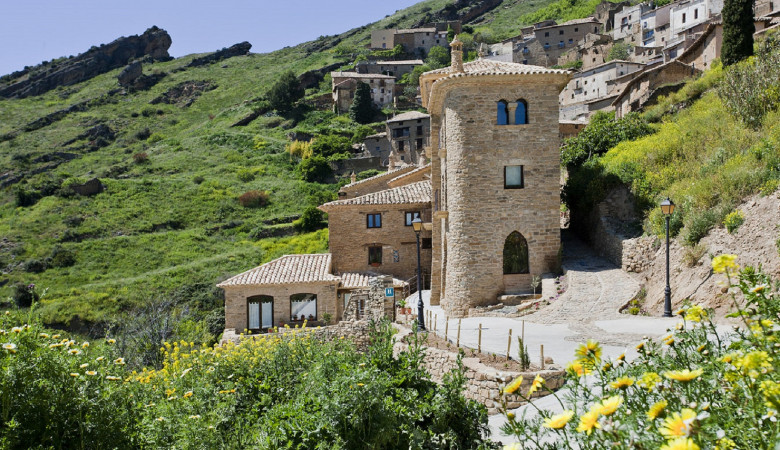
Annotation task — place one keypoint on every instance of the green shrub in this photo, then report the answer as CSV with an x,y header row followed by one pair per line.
x,y
751,89
155,137
24,295
314,169
245,175
310,220
198,179
602,133
35,266
62,257
141,158
770,186
698,225
733,220
693,254
330,144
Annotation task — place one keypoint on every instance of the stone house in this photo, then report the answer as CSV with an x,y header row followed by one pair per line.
x,y
345,84
651,83
550,42
656,26
705,49
495,171
605,13
287,290
418,41
373,233
592,50
765,7
377,145
690,13
409,134
395,69
597,82
628,22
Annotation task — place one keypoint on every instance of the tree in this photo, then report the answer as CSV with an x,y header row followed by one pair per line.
x,y
438,57
738,29
285,92
314,169
310,220
602,133
362,109
620,50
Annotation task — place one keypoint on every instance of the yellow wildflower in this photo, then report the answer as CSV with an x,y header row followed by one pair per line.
x,y
576,368
684,375
91,373
120,361
111,341
85,345
536,385
680,444
513,386
100,358
622,383
678,424
74,351
695,314
56,336
649,380
43,335
610,405
559,421
113,378
657,409
725,264
74,374
187,394
589,421
640,346
589,350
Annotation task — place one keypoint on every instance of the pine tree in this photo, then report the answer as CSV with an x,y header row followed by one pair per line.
x,y
362,109
285,92
738,29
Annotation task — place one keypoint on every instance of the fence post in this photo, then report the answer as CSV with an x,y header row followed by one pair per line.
x,y
479,340
541,351
446,328
508,344
435,322
522,332
457,343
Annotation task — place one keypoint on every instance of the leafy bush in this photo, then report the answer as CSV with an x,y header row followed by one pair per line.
x,y
245,175
35,266
141,158
770,186
155,137
24,196
198,179
368,174
693,254
694,388
330,144
310,220
62,257
299,149
24,295
602,133
281,390
733,220
285,92
620,51
751,89
314,169
253,199
438,57
698,224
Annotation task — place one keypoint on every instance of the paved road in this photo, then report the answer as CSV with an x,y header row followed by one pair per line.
x,y
587,310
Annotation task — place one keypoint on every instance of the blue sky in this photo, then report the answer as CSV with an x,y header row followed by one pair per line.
x,y
32,31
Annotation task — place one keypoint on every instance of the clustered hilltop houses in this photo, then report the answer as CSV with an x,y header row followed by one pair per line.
x,y
481,169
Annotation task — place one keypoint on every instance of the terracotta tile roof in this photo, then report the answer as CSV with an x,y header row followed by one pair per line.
x,y
416,30
381,175
425,168
359,75
414,193
314,268
411,115
487,66
361,280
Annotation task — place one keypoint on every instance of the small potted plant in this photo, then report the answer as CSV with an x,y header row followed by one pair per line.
x,y
311,316
295,317
402,306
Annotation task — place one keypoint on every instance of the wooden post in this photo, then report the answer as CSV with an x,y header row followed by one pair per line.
x,y
457,342
508,344
479,339
435,321
446,328
541,351
522,332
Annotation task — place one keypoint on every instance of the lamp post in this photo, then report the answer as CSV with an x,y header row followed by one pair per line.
x,y
667,208
417,225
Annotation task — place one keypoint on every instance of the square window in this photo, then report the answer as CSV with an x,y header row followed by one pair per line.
x,y
374,220
426,243
410,216
547,34
375,256
576,30
513,177
560,32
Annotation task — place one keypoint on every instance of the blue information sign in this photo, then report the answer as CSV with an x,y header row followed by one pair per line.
x,y
389,292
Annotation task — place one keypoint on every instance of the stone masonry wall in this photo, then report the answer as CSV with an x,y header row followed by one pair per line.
x,y
350,239
483,383
481,212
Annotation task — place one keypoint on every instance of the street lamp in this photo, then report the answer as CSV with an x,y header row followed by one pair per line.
x,y
417,225
667,208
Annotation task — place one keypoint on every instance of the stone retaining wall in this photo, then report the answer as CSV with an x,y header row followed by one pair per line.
x,y
483,383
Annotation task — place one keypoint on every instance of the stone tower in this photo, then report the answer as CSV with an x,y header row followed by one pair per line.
x,y
495,171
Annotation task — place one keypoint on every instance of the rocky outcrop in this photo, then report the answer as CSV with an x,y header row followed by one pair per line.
x,y
462,10
154,43
184,94
132,77
239,49
91,187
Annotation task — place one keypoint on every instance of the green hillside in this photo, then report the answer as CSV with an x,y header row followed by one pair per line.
x,y
169,222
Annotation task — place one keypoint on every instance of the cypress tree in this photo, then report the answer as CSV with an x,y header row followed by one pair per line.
x,y
362,108
738,29
285,92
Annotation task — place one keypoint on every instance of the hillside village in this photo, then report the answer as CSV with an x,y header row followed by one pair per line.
x,y
465,267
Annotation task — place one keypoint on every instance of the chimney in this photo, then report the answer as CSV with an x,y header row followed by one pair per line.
x,y
456,50
391,160
353,177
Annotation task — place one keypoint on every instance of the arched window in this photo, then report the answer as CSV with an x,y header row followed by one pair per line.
x,y
502,113
260,312
521,113
515,254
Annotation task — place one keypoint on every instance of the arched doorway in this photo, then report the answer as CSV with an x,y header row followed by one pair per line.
x,y
515,254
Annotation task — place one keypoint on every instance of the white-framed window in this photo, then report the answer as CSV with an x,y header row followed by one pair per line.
x,y
409,216
513,177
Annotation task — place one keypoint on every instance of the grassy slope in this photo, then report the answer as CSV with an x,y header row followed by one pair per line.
x,y
155,230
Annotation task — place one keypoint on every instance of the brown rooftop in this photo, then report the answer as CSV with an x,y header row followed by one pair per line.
x,y
314,268
409,194
361,280
394,173
359,75
411,115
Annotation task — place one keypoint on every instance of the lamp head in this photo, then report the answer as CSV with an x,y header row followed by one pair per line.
x,y
417,224
667,206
